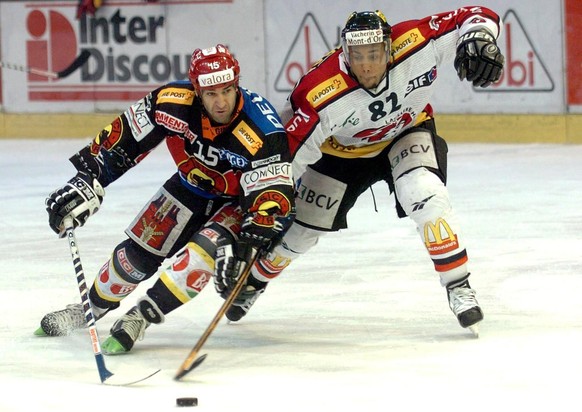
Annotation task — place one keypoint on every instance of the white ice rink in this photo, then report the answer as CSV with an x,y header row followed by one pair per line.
x,y
359,324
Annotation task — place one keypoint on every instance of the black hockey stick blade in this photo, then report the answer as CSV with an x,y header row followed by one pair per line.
x,y
77,63
186,371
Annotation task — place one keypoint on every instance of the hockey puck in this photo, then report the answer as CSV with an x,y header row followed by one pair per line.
x,y
187,402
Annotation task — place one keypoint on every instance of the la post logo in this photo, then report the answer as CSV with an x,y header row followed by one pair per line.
x,y
122,43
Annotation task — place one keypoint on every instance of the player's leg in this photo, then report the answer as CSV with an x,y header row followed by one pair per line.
x,y
418,162
162,227
326,193
190,271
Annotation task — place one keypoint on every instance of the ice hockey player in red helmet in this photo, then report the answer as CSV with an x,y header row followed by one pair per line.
x,y
231,194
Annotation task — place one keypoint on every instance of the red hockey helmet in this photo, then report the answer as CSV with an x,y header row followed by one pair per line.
x,y
213,67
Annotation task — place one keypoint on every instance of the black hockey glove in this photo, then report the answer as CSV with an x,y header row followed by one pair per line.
x,y
232,256
478,58
79,199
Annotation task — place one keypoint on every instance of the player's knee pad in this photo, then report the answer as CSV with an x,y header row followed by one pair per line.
x,y
119,276
297,240
191,269
418,147
422,195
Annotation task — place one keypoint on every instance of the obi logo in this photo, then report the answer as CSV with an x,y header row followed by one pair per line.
x,y
524,68
52,45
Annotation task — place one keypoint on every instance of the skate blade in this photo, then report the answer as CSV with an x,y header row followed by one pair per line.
x,y
474,329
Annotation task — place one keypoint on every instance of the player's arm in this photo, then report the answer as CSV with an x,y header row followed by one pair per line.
x,y
116,149
305,131
268,206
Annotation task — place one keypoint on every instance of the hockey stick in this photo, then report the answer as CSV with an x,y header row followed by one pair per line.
x,y
105,375
80,60
191,362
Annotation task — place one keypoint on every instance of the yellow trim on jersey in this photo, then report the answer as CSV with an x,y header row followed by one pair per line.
x,y
209,260
172,286
326,90
247,137
176,95
332,147
407,41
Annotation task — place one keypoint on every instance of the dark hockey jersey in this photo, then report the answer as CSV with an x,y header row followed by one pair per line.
x,y
242,158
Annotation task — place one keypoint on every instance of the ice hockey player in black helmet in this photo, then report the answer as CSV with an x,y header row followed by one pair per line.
x,y
363,115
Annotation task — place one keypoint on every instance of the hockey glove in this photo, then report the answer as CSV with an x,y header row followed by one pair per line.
x,y
78,199
231,259
478,58
232,256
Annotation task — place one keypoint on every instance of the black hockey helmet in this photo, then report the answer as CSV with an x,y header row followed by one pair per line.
x,y
365,27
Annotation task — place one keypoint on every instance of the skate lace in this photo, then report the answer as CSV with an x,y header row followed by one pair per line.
x,y
72,317
134,325
462,299
248,297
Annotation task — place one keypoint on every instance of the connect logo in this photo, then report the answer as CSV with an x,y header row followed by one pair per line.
x,y
52,45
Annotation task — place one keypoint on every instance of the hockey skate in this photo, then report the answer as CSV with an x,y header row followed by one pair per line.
x,y
131,327
464,305
62,322
125,332
243,302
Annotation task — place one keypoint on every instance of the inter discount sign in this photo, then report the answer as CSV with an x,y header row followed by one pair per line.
x,y
134,47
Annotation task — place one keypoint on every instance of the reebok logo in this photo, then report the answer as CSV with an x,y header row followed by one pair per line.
x,y
420,205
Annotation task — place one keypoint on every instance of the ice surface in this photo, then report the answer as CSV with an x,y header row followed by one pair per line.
x,y
361,323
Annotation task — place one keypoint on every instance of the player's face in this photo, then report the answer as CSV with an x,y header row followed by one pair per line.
x,y
368,64
219,102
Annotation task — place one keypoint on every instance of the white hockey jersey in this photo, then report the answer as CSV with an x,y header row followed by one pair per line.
x,y
329,112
